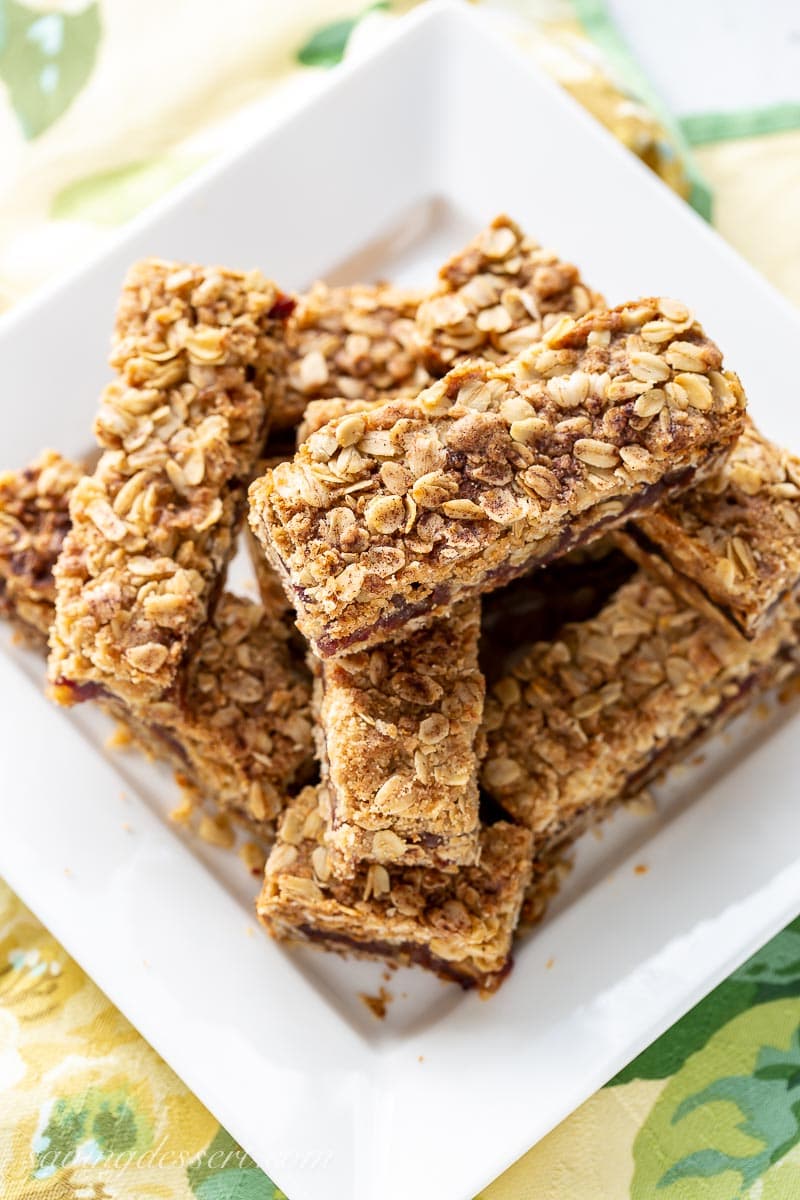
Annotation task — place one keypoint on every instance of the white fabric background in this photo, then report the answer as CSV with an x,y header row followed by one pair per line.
x,y
715,55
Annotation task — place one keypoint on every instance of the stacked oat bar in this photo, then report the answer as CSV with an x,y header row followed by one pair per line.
x,y
389,855
550,423
500,479
492,471
200,361
123,568
397,731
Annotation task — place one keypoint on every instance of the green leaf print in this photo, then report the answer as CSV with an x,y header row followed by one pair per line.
x,y
729,1114
326,47
225,1172
772,973
776,965
45,60
98,1124
114,1128
669,1052
60,1138
768,1109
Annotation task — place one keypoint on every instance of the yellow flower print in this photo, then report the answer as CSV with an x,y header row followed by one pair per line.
x,y
12,1066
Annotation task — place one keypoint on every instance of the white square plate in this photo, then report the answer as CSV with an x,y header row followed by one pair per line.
x,y
401,158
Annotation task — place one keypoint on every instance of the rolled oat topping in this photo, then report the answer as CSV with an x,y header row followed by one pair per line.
x,y
242,722
320,412
499,294
34,519
587,719
548,873
397,741
238,728
458,924
384,519
200,359
495,297
448,443
351,343
731,545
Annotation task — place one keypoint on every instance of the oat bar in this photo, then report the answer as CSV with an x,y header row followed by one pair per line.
x,y
200,360
589,718
34,519
352,343
731,545
396,737
240,729
458,924
495,297
384,519
239,725
499,294
534,607
270,589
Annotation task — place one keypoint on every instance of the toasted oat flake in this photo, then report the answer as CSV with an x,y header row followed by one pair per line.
x,y
238,728
216,830
348,347
34,520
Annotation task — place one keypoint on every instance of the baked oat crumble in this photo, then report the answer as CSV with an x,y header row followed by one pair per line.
x,y
397,737
200,360
459,924
384,519
731,545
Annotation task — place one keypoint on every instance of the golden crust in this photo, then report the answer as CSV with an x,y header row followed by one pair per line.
x,y
238,725
319,412
199,358
496,296
458,924
397,739
731,546
351,343
587,719
34,520
242,721
384,519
